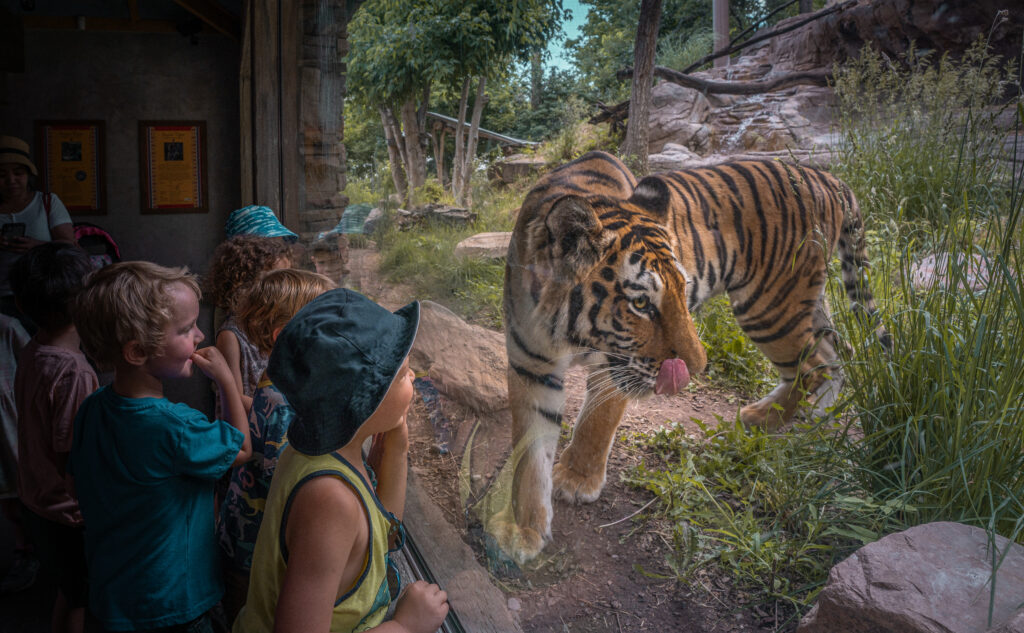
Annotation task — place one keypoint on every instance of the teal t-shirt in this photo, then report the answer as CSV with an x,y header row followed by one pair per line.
x,y
144,471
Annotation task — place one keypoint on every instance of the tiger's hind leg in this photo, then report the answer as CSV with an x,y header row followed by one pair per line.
x,y
803,351
579,475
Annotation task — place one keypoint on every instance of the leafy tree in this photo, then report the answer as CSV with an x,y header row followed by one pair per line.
x,y
606,42
402,49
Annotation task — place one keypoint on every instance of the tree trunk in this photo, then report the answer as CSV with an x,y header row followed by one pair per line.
x,y
640,97
806,6
474,132
440,158
536,81
394,156
460,148
415,161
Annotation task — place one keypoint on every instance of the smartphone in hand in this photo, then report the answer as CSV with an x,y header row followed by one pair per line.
x,y
12,229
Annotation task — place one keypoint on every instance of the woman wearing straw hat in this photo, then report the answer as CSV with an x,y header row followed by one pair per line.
x,y
27,216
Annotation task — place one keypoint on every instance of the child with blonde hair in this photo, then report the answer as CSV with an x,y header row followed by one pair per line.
x,y
235,266
262,313
145,467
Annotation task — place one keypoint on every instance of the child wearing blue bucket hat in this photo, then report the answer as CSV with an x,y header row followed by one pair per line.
x,y
321,557
256,220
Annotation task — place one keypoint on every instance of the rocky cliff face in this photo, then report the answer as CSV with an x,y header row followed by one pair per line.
x,y
797,120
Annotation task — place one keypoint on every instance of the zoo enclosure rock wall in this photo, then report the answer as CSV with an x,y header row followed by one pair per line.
x,y
800,117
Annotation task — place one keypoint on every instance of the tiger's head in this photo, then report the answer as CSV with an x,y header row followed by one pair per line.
x,y
626,291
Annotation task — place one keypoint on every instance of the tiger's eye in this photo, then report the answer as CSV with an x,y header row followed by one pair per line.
x,y
640,303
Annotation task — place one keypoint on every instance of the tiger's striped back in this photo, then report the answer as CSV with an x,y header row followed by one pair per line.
x,y
762,231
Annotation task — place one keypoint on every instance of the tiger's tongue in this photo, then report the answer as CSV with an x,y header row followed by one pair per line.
x,y
672,377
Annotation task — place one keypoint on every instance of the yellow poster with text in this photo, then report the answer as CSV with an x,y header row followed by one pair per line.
x,y
71,165
174,167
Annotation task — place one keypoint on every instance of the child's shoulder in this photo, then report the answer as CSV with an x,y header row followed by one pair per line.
x,y
50,359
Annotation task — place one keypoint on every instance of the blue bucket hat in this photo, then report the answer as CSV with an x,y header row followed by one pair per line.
x,y
334,361
256,220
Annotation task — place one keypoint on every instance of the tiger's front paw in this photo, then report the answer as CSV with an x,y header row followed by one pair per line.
x,y
574,487
520,543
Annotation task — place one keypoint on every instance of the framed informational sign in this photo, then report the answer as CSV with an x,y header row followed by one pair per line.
x,y
172,159
71,164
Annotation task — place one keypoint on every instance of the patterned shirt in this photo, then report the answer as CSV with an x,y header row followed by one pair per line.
x,y
242,510
252,363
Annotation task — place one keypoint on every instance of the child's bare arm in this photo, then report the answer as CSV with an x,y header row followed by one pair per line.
x,y
320,542
212,363
228,345
389,458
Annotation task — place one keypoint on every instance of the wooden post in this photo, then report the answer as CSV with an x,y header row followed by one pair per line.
x,y
720,25
245,129
291,176
267,106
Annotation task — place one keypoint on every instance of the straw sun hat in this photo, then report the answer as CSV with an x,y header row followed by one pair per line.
x,y
14,150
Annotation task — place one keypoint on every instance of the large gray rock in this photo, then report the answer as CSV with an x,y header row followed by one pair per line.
x,y
673,157
935,268
484,245
933,578
516,167
466,362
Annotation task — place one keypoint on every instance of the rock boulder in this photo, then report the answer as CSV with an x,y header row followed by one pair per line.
x,y
484,245
466,362
932,578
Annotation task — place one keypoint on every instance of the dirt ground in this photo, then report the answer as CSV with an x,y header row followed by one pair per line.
x,y
605,569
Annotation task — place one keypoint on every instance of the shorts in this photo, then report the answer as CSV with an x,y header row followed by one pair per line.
x,y
61,552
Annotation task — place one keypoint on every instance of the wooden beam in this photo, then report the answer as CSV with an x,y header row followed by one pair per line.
x,y
245,111
214,15
292,172
70,23
266,83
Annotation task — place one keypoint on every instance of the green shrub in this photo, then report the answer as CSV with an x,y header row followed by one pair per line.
x,y
932,431
734,362
922,136
424,256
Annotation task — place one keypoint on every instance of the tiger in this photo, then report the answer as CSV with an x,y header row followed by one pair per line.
x,y
605,271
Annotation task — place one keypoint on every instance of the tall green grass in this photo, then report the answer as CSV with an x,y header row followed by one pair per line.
x,y
932,431
424,256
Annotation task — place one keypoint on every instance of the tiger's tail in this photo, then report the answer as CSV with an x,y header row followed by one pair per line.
x,y
853,255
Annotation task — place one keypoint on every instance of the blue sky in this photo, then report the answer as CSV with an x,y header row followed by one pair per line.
x,y
571,29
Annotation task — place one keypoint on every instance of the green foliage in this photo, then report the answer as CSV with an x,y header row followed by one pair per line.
x,y
425,258
606,42
734,362
678,54
772,512
930,432
372,187
922,137
575,137
400,47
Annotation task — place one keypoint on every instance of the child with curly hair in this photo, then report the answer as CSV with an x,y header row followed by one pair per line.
x,y
235,266
263,312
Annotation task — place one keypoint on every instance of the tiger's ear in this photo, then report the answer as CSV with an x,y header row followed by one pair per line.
x,y
575,231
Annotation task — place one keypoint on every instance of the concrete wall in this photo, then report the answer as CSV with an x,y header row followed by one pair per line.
x,y
122,78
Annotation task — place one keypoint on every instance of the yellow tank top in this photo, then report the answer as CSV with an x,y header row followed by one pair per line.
x,y
364,605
